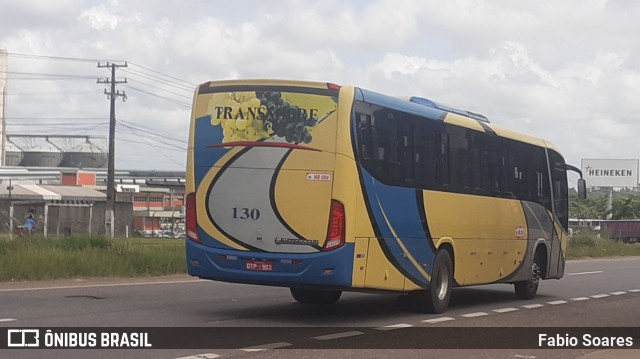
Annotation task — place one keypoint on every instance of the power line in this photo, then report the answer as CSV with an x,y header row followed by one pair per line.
x,y
41,124
55,118
157,150
161,89
172,146
156,79
58,58
177,149
163,74
159,96
47,74
49,93
150,132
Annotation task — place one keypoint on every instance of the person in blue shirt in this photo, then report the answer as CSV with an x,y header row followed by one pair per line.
x,y
30,222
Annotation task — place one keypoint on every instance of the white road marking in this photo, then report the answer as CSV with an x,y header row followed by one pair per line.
x,y
598,296
473,315
531,306
4,320
634,290
505,310
618,293
579,299
103,285
259,348
438,320
338,335
583,273
556,302
395,326
201,356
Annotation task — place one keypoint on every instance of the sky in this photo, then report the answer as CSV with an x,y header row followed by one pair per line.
x,y
566,71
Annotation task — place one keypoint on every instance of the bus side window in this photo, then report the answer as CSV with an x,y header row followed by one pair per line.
x,y
560,192
460,157
406,149
366,136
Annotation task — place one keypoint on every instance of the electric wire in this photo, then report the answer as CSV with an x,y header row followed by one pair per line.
x,y
160,96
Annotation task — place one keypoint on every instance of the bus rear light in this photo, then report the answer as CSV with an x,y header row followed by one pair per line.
x,y
192,218
331,86
336,228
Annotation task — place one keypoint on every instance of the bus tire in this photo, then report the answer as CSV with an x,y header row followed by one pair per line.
x,y
529,288
436,298
314,296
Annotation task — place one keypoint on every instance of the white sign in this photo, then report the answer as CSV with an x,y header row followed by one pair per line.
x,y
610,173
318,176
130,188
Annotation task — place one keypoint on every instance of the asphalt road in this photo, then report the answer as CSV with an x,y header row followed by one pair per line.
x,y
594,293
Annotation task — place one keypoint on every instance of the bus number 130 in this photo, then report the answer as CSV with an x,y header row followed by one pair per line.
x,y
246,213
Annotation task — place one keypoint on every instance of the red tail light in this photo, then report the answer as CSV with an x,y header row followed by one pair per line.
x,y
331,86
192,218
336,230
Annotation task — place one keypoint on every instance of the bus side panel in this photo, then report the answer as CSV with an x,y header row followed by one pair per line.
x,y
488,234
540,232
400,232
372,267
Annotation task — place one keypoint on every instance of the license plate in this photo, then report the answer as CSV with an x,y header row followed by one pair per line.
x,y
262,266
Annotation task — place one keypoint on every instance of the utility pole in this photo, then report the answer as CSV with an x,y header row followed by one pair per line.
x,y
110,207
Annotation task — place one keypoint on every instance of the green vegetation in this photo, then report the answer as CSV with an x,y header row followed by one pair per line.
x,y
588,244
625,205
37,258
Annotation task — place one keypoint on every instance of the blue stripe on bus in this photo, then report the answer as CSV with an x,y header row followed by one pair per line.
x,y
398,206
204,157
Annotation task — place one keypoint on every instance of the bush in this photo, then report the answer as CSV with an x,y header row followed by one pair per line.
x,y
588,244
36,258
584,239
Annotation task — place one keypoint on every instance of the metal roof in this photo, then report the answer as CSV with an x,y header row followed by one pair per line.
x,y
52,193
46,148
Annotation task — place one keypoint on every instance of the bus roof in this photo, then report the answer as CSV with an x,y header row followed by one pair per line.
x,y
454,118
266,82
416,108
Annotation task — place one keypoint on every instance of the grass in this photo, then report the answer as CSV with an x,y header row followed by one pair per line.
x,y
585,244
38,258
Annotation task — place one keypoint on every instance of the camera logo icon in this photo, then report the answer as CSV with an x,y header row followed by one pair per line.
x,y
23,338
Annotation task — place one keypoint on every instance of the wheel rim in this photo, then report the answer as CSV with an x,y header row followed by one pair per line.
x,y
535,275
442,284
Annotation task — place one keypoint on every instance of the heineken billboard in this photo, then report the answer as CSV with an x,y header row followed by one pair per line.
x,y
610,173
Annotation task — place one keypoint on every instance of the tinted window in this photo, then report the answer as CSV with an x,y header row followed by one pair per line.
x,y
560,192
406,150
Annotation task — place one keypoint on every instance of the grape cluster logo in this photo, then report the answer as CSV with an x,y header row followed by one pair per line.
x,y
253,116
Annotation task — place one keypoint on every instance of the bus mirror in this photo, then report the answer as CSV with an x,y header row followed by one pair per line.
x,y
582,188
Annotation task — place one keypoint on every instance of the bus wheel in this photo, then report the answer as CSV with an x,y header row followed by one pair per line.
x,y
312,296
527,289
436,298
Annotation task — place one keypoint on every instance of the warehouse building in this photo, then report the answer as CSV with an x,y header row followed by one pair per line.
x,y
61,210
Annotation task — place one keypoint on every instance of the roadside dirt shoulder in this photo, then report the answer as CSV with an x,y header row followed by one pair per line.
x,y
93,281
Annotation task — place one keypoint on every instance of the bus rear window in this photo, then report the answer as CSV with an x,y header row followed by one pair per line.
x,y
282,116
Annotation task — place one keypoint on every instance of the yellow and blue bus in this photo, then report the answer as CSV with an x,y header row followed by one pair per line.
x,y
324,188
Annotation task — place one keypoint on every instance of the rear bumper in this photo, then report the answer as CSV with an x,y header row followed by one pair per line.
x,y
332,269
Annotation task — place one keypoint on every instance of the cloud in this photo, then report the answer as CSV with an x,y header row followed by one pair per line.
x,y
99,18
567,72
